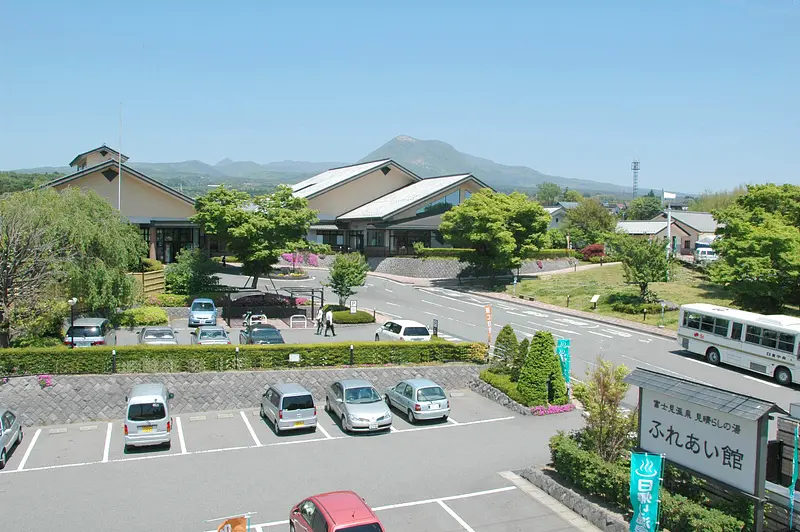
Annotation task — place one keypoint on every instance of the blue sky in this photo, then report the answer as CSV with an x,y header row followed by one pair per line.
x,y
704,92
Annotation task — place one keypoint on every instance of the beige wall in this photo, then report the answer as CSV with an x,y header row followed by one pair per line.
x,y
138,197
95,158
469,186
366,188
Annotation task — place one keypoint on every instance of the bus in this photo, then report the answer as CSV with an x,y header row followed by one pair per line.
x,y
767,345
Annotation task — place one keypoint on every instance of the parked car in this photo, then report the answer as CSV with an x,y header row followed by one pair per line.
x,y
260,334
333,512
704,255
158,336
147,416
419,399
10,434
86,332
210,335
359,406
289,406
403,330
202,312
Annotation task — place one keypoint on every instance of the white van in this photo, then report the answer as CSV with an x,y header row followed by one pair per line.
x,y
704,255
147,417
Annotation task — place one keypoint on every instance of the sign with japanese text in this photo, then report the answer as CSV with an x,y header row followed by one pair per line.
x,y
645,481
488,310
562,350
353,306
716,444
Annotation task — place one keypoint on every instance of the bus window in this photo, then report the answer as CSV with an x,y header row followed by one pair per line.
x,y
707,324
769,338
721,327
786,342
736,331
753,335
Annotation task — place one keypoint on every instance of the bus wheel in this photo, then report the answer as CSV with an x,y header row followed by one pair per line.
x,y
783,376
712,356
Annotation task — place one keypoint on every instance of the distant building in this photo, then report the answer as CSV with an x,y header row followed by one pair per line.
x,y
558,213
652,230
696,225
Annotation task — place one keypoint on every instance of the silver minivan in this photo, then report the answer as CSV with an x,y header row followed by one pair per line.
x,y
147,418
289,406
87,332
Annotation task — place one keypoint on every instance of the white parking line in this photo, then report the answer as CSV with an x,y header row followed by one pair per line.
x,y
28,450
453,421
392,428
107,446
395,316
454,299
324,432
516,313
443,306
761,381
246,514
428,313
393,304
447,425
393,281
450,498
250,429
701,362
600,334
390,291
180,435
455,516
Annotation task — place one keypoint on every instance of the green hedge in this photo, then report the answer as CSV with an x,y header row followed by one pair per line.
x,y
503,383
168,300
611,482
344,317
141,316
654,309
195,358
150,265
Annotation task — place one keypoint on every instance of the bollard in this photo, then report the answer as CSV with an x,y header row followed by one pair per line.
x,y
644,317
351,355
568,301
236,357
373,314
113,361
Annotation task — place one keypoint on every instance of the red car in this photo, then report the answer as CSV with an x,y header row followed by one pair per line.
x,y
334,512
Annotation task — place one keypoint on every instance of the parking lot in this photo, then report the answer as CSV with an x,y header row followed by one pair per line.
x,y
430,475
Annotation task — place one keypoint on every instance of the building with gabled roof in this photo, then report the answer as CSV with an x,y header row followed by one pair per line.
x,y
698,226
161,212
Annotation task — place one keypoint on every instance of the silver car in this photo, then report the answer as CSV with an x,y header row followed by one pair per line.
x,y
212,335
147,419
87,332
10,434
419,399
202,311
289,406
158,336
359,406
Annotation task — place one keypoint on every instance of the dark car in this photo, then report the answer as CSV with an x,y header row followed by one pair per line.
x,y
260,334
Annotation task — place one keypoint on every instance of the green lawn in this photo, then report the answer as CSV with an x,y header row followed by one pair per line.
x,y
688,286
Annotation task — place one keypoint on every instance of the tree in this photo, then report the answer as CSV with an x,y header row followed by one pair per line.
x,y
505,348
540,380
608,427
589,222
519,360
570,194
191,273
643,262
714,201
347,271
547,192
556,238
644,208
759,247
650,194
257,230
502,229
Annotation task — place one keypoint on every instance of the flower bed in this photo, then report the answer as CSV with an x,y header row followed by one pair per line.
x,y
546,410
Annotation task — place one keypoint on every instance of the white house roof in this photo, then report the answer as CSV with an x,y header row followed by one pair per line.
x,y
649,227
335,176
702,222
404,197
551,210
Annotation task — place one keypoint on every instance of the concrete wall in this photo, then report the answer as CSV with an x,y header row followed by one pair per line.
x,y
138,198
78,398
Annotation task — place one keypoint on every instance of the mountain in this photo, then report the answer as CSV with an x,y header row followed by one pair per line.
x,y
239,168
429,158
301,167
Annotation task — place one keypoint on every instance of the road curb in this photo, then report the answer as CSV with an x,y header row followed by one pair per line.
x,y
627,324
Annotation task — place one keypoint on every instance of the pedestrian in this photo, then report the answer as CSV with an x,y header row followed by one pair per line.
x,y
224,261
329,322
319,321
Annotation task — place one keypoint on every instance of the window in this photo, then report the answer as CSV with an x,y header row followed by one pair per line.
x,y
442,204
753,335
371,527
84,331
408,392
361,395
396,328
721,327
686,244
736,331
298,402
203,306
274,398
434,393
8,420
416,331
786,342
156,334
375,238
710,324
692,320
769,338
332,238
319,524
146,412
307,510
707,324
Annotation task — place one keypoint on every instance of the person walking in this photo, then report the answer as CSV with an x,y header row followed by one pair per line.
x,y
320,316
329,323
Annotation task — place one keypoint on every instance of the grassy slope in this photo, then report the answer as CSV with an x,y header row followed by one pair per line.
x,y
688,286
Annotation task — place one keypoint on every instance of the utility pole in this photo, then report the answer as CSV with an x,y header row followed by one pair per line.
x,y
119,159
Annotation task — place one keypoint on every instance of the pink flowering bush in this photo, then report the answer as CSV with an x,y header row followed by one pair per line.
x,y
292,258
312,260
45,380
546,410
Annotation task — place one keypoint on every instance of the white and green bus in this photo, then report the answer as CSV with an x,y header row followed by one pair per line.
x,y
767,345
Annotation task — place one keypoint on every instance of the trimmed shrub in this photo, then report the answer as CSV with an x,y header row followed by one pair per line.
x,y
611,482
504,384
168,300
505,348
523,349
593,250
344,317
532,384
196,358
150,265
37,341
654,309
141,316
193,271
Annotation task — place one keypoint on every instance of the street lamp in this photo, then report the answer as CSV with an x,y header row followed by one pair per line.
x,y
72,321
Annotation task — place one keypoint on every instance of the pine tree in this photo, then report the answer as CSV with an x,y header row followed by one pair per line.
x,y
533,376
522,353
505,348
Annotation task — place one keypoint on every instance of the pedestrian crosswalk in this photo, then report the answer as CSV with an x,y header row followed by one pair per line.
x,y
450,338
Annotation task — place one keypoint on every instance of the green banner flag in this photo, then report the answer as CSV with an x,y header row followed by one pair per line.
x,y
645,482
562,350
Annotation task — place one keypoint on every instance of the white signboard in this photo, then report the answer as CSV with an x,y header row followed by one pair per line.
x,y
716,444
353,306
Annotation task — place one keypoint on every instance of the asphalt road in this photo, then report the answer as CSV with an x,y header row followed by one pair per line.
x,y
432,476
462,316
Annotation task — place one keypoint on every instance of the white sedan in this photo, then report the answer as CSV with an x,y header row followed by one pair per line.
x,y
410,331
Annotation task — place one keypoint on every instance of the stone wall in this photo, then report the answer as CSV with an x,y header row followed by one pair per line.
x,y
79,398
449,269
490,392
603,519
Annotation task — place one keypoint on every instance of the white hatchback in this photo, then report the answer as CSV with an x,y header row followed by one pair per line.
x,y
407,330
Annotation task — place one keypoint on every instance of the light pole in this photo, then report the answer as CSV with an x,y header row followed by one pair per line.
x,y
72,321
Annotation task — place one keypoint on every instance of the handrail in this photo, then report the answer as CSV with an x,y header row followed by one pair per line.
x,y
301,316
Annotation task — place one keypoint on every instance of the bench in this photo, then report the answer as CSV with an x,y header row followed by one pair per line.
x,y
594,300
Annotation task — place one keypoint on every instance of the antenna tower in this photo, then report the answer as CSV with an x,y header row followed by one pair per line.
x,y
635,168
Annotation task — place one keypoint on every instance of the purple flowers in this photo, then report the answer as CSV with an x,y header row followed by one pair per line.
x,y
296,259
546,410
45,380
312,260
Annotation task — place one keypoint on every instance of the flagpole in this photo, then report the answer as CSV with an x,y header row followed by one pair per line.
x,y
669,235
119,159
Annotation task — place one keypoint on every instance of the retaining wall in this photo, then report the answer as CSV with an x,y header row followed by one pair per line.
x,y
79,398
